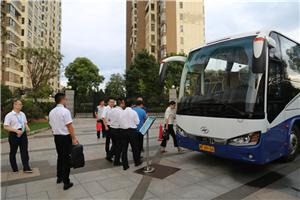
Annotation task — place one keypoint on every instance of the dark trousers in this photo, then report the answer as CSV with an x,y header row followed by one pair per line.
x,y
140,142
116,147
108,137
98,132
63,145
172,133
14,143
129,136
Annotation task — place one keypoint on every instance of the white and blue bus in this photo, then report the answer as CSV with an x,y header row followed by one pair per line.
x,y
239,97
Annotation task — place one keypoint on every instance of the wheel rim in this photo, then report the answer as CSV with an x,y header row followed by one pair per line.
x,y
293,143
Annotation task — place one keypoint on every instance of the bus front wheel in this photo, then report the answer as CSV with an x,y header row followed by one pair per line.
x,y
293,145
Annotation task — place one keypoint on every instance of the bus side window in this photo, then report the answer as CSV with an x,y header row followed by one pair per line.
x,y
275,81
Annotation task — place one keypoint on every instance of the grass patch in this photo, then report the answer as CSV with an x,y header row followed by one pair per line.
x,y
32,126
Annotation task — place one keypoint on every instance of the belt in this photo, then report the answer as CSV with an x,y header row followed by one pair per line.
x,y
115,128
127,129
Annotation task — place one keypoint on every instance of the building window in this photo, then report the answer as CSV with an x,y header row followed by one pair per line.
x,y
22,32
181,28
181,40
135,19
181,50
152,6
22,43
181,16
21,80
11,10
35,29
135,12
23,20
152,49
29,23
152,17
135,25
23,8
28,34
152,38
163,29
152,27
135,5
163,17
135,32
180,4
21,68
134,39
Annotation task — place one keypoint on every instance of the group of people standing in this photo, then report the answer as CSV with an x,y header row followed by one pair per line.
x,y
122,128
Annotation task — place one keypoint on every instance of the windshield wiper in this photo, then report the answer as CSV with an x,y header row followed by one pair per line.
x,y
236,110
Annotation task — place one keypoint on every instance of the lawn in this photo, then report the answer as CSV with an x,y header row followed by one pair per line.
x,y
33,127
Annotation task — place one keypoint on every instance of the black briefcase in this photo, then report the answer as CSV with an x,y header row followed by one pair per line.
x,y
77,157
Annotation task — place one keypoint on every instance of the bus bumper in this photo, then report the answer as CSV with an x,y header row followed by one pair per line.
x,y
248,154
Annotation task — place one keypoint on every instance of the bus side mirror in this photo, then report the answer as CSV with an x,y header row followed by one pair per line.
x,y
260,44
163,72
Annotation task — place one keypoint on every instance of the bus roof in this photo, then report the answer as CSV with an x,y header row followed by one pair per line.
x,y
242,35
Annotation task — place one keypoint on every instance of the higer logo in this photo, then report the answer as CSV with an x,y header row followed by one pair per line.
x,y
204,129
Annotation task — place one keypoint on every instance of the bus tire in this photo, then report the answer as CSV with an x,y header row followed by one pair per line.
x,y
293,145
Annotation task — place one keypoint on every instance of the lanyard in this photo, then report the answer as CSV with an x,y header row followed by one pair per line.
x,y
58,105
20,120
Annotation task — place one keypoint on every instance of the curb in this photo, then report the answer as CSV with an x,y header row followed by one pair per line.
x,y
31,133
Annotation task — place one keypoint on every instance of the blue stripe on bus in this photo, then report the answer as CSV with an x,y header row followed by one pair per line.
x,y
271,145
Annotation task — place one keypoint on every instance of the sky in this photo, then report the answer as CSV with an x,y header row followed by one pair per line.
x,y
96,29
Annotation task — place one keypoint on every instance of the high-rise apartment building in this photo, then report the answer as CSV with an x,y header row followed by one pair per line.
x,y
163,27
29,23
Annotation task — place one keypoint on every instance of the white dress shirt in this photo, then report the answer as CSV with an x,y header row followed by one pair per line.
x,y
12,121
114,116
129,119
105,112
59,117
169,115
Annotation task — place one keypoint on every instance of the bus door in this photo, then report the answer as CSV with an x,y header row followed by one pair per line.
x,y
164,66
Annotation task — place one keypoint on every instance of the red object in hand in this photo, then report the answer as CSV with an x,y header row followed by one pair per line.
x,y
99,126
160,133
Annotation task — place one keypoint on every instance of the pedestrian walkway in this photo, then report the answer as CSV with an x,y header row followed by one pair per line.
x,y
201,176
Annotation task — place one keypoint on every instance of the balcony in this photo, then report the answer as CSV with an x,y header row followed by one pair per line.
x,y
30,14
11,63
13,25
18,4
15,39
11,77
30,4
11,49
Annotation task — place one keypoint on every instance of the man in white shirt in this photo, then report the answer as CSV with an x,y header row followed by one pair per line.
x,y
106,122
98,114
61,125
16,123
115,132
129,120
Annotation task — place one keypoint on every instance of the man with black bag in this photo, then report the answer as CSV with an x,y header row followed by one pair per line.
x,y
61,125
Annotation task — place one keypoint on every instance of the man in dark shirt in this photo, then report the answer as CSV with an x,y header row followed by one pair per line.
x,y
144,108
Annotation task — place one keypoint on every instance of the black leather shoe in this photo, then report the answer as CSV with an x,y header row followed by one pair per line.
x,y
125,168
59,180
68,185
118,164
139,163
108,159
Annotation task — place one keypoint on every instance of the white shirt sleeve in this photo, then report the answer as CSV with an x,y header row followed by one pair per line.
x,y
68,118
24,117
104,113
136,118
7,120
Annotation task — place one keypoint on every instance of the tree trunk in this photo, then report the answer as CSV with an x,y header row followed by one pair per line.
x,y
36,103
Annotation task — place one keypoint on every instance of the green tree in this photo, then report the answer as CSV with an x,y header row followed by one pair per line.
x,y
174,71
6,94
44,92
146,69
116,86
83,76
41,65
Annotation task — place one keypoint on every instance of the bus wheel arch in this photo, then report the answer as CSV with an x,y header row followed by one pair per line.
x,y
294,143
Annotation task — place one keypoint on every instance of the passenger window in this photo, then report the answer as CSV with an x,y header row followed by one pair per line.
x,y
290,59
275,87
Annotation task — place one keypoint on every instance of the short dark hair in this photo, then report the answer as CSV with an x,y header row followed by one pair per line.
x,y
101,100
111,98
172,103
58,97
139,102
14,102
129,103
119,101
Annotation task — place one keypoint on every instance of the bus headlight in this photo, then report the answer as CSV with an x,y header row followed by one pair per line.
x,y
181,132
245,140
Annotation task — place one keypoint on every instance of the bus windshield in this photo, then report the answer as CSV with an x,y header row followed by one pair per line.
x,y
217,81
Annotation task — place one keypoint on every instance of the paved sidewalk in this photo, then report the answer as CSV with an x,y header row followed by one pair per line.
x,y
201,176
